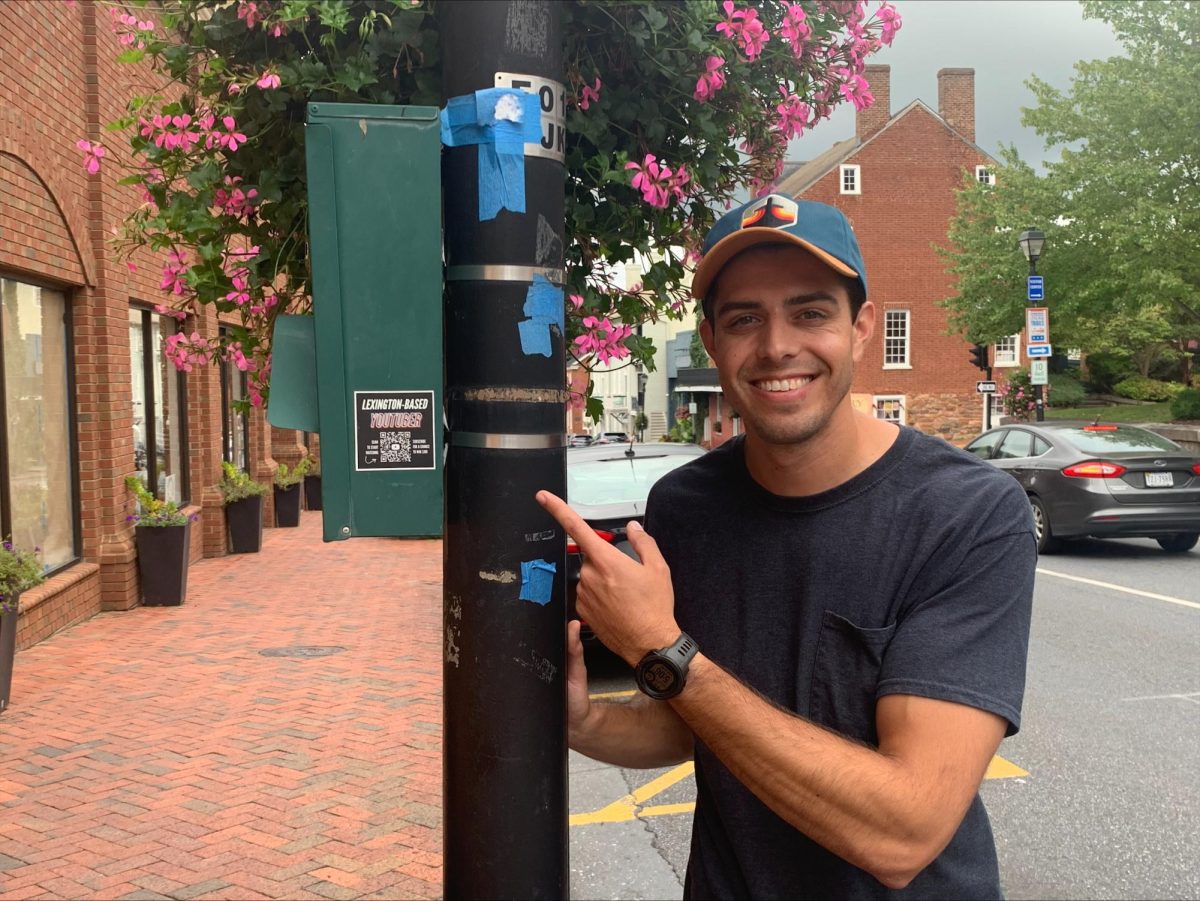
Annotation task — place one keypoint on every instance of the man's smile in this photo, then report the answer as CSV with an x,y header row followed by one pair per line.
x,y
778,385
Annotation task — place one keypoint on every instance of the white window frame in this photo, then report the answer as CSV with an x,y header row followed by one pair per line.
x,y
855,174
1001,359
985,175
880,403
906,362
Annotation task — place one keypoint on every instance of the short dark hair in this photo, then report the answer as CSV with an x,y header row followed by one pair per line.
x,y
854,288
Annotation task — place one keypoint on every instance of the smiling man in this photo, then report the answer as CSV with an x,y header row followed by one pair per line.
x,y
832,615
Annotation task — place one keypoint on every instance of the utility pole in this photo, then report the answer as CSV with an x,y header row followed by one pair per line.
x,y
505,828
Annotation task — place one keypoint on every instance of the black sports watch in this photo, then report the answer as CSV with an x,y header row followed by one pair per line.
x,y
662,674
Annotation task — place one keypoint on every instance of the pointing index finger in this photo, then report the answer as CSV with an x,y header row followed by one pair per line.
x,y
571,521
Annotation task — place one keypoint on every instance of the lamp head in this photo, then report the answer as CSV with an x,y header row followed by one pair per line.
x,y
1031,242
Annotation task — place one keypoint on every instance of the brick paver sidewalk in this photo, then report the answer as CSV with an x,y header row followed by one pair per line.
x,y
158,753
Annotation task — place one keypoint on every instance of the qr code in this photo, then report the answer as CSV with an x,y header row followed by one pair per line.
x,y
395,447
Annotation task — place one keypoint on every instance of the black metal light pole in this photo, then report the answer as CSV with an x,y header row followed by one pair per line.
x,y
1031,243
504,745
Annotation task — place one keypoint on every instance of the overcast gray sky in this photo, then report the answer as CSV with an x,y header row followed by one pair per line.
x,y
1004,41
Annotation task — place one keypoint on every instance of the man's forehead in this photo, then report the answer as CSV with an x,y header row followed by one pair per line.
x,y
775,269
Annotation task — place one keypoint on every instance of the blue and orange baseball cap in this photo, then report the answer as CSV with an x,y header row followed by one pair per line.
x,y
822,230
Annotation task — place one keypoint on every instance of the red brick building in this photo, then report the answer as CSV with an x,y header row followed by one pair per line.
x,y
895,180
86,395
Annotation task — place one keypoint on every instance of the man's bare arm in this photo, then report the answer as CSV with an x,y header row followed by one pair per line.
x,y
640,733
889,811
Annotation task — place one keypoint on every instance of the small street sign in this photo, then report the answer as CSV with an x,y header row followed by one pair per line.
x,y
1037,325
1038,350
1036,288
985,387
1039,372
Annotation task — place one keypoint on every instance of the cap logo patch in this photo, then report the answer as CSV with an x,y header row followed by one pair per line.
x,y
772,211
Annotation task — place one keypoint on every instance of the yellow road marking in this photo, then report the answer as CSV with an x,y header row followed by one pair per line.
x,y
1000,768
629,807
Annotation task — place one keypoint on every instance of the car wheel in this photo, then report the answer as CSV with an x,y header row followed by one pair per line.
x,y
1179,543
1046,542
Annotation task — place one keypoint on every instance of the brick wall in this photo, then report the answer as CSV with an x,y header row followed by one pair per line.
x,y
59,83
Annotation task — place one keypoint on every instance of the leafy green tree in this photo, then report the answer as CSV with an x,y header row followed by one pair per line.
x,y
673,107
1120,209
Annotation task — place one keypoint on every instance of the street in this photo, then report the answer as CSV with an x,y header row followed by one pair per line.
x,y
1096,797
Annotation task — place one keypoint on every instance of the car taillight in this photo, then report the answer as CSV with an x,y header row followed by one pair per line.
x,y
573,548
1094,469
1196,468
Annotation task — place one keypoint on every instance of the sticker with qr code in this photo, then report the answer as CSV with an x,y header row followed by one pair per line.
x,y
394,430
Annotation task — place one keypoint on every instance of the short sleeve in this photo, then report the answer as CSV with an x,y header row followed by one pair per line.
x,y
968,641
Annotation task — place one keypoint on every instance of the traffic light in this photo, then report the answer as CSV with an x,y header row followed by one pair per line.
x,y
979,356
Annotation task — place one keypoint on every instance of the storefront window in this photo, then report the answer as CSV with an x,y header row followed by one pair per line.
x,y
38,499
235,427
159,425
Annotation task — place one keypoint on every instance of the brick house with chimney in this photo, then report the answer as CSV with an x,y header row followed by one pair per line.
x,y
895,180
86,393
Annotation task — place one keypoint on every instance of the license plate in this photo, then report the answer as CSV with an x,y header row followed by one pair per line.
x,y
1159,480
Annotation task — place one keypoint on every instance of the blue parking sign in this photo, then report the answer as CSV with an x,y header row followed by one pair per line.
x,y
1036,288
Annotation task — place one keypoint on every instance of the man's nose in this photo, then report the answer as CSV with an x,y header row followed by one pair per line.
x,y
779,341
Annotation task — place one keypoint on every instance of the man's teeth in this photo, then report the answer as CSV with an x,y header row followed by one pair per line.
x,y
784,384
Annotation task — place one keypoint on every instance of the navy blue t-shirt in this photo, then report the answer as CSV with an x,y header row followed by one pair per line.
x,y
914,577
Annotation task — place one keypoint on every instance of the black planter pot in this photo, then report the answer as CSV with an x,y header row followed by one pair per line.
x,y
312,492
163,563
287,506
244,520
8,653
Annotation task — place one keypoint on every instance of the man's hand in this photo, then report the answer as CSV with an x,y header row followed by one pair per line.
x,y
578,704
629,605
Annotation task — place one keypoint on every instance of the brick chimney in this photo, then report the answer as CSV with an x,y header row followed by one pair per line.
x,y
956,100
875,116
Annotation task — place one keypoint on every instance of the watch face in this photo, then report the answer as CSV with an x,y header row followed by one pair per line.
x,y
659,676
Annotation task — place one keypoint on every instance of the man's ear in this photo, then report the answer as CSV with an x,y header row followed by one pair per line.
x,y
864,328
707,337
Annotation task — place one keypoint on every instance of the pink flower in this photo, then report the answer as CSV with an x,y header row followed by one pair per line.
x,y
174,277
248,10
652,180
576,300
743,26
270,80
890,20
795,28
712,80
857,91
678,185
235,88
793,114
92,154
603,339
589,95
232,200
278,29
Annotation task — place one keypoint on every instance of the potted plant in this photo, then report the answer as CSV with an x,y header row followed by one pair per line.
x,y
163,534
19,570
312,484
287,493
243,499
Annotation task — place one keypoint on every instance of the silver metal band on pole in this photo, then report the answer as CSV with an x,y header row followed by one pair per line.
x,y
501,441
499,273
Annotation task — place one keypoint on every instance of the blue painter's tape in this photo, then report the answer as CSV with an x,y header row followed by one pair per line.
x,y
544,307
537,581
501,121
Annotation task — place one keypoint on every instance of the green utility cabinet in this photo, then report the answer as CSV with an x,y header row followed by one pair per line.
x,y
375,227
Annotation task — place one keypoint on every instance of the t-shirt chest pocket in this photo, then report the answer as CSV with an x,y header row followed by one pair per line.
x,y
846,675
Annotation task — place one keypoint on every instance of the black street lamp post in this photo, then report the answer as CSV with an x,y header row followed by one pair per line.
x,y
1031,243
